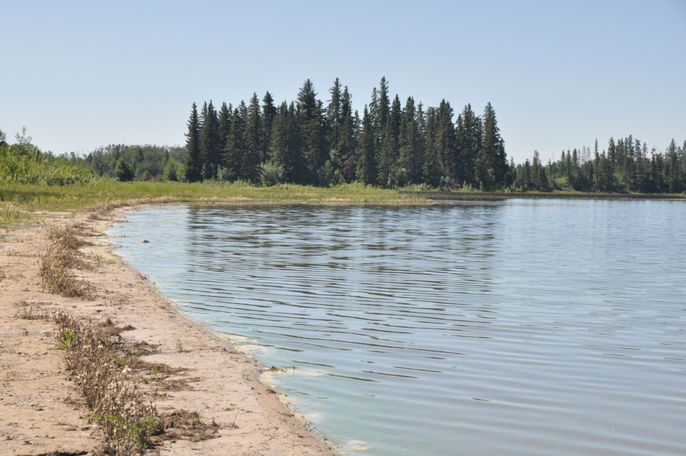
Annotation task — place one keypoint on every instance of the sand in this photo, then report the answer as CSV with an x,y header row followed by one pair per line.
x,y
41,410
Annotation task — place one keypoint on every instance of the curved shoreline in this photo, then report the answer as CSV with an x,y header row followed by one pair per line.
x,y
211,376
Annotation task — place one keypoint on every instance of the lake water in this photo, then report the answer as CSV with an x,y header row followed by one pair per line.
x,y
528,327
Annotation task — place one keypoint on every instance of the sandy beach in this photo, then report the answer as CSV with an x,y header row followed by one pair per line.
x,y
41,410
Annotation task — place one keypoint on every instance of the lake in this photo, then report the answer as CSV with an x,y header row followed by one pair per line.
x,y
523,327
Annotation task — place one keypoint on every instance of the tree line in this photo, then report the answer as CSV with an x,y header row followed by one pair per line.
x,y
135,162
626,165
311,142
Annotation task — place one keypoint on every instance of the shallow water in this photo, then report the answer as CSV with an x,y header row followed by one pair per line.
x,y
531,327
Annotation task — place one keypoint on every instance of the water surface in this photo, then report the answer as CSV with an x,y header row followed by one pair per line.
x,y
528,327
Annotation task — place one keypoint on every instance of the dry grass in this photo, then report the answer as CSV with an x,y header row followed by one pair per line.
x,y
182,424
107,370
126,416
28,312
66,237
56,264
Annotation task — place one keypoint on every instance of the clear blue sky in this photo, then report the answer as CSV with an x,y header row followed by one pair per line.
x,y
80,74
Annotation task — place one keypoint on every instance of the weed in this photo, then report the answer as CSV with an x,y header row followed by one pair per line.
x,y
27,312
68,339
61,256
126,417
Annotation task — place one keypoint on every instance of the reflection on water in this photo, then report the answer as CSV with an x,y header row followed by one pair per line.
x,y
526,328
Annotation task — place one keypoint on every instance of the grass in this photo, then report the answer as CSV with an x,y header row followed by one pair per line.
x,y
22,203
35,198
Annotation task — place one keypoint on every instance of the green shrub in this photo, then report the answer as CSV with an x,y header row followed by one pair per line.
x,y
26,164
123,172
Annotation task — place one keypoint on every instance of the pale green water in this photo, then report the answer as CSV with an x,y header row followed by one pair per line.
x,y
522,328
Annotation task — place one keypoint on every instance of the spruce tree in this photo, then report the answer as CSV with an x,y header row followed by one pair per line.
x,y
194,163
268,115
234,150
346,155
409,160
224,126
431,161
491,162
210,147
252,137
366,166
384,109
334,114
286,145
389,153
311,123
444,144
468,143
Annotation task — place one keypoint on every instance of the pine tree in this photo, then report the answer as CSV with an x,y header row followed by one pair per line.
x,y
252,137
224,126
210,148
383,111
390,145
334,114
234,150
346,156
286,145
410,159
366,166
268,115
431,161
444,144
491,162
468,143
673,175
194,163
311,123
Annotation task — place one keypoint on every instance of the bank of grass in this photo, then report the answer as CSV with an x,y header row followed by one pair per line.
x,y
21,202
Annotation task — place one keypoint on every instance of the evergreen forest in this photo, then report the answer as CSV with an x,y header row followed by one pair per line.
x,y
307,141
396,144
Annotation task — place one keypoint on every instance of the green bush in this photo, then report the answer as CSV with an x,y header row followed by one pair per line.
x,y
123,172
26,164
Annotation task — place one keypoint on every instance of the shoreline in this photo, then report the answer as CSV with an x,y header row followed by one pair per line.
x,y
42,412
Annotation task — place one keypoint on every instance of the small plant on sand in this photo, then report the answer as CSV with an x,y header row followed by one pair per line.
x,y
27,312
68,339
56,263
126,416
